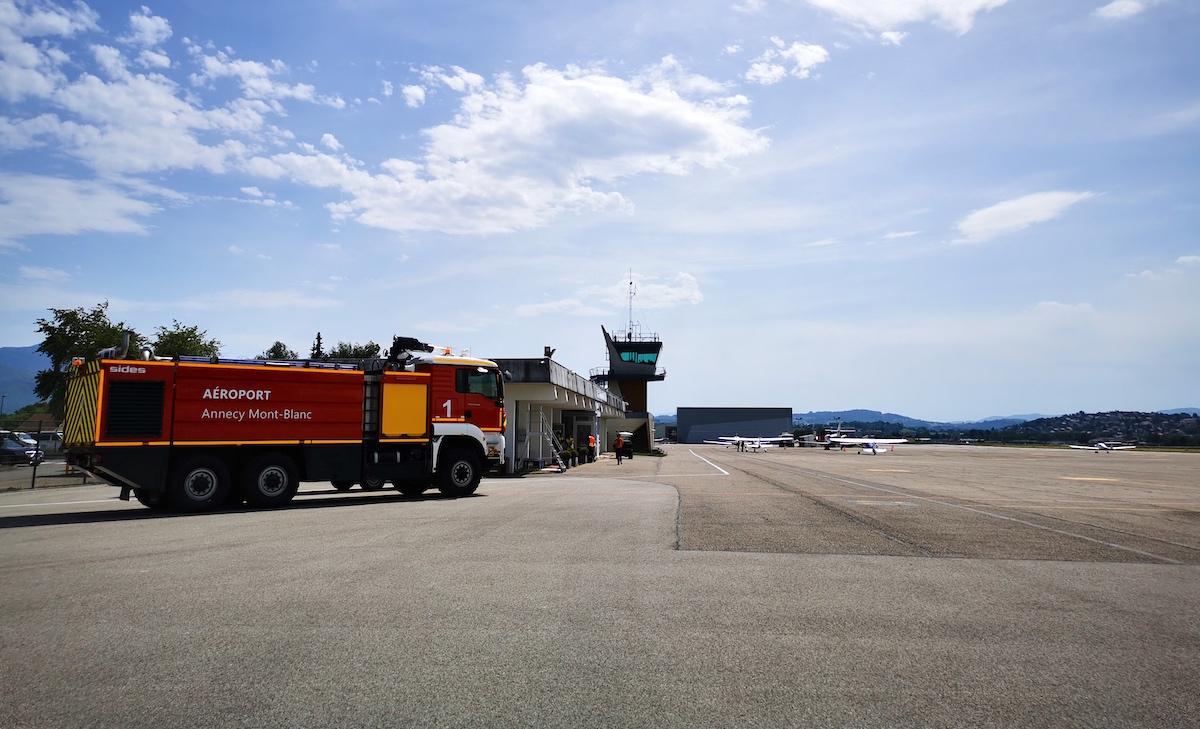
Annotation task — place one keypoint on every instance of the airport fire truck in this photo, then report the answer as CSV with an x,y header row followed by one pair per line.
x,y
191,433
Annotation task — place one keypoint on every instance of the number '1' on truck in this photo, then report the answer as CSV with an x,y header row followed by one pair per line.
x,y
193,433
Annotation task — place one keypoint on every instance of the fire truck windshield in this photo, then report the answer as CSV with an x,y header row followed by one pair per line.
x,y
479,381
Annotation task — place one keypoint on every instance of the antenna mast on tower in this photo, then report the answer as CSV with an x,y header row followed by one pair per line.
x,y
632,291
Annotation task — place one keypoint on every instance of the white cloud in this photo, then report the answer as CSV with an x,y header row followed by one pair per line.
x,y
1011,216
147,30
119,123
683,289
888,15
388,89
33,69
34,204
24,133
154,59
1174,121
257,79
39,273
773,65
1122,9
236,299
564,307
1055,310
1146,275
330,142
252,191
1188,260
414,96
459,79
750,6
595,301
520,153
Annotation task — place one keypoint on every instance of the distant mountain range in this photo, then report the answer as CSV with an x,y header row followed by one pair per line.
x,y
827,417
18,365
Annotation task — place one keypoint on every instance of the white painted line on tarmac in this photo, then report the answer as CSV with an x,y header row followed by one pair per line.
x,y
697,455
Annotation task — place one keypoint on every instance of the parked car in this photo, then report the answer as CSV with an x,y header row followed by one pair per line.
x,y
14,452
26,438
49,441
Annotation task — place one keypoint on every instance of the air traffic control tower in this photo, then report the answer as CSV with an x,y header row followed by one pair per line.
x,y
632,363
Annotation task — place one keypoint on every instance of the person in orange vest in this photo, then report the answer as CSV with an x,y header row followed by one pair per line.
x,y
618,446
591,447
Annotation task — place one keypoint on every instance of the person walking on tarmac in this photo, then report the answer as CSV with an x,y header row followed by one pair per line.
x,y
619,447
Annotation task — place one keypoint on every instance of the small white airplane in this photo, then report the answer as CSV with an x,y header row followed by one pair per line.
x,y
750,444
1104,447
868,444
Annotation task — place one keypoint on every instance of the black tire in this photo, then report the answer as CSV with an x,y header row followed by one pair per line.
x,y
199,483
150,499
342,485
270,480
458,473
410,488
373,484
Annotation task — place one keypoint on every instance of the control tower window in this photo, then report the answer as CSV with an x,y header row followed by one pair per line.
x,y
640,357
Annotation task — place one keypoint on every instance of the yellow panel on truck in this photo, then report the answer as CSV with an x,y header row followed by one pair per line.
x,y
405,405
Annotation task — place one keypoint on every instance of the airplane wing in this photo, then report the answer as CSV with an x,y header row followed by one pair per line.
x,y
1084,448
868,441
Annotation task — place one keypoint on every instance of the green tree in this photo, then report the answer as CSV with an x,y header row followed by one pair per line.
x,y
278,350
184,340
318,350
71,333
350,350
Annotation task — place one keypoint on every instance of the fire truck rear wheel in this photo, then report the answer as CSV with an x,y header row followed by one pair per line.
x,y
373,484
150,499
458,473
410,488
199,483
270,480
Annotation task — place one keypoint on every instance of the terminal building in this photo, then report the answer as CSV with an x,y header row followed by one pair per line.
x,y
552,409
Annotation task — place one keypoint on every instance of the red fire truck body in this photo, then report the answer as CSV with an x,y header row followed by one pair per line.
x,y
191,434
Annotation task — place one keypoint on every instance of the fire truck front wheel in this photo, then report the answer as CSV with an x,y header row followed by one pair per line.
x,y
458,473
270,480
199,483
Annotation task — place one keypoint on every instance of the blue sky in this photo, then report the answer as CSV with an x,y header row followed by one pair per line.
x,y
950,209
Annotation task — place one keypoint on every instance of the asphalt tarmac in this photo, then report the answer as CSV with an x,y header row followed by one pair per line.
x,y
929,587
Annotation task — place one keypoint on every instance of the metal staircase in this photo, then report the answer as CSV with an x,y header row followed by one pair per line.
x,y
552,440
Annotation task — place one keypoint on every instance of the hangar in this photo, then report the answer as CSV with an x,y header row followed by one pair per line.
x,y
697,425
